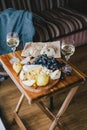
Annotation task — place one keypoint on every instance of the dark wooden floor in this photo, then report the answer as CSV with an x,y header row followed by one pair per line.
x,y
75,118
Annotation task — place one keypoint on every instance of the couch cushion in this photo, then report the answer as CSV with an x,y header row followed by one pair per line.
x,y
59,22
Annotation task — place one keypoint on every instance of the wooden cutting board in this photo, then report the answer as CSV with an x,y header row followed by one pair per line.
x,y
37,89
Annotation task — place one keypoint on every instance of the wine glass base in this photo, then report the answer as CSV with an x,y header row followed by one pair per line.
x,y
66,69
14,59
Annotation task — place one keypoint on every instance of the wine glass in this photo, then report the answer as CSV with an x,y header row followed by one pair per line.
x,y
13,41
68,50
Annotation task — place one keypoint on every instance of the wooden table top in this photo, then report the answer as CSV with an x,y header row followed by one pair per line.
x,y
76,77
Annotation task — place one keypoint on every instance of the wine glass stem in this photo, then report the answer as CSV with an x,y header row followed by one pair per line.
x,y
67,67
67,58
13,49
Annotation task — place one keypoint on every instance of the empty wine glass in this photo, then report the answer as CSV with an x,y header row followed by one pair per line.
x,y
13,41
68,50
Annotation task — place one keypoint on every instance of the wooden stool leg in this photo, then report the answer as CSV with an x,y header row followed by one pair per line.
x,y
19,122
19,103
51,103
45,109
64,107
15,114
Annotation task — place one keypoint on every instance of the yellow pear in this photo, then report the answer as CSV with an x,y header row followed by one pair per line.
x,y
17,66
42,79
28,82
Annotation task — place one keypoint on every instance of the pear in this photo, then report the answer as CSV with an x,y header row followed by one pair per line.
x,y
28,82
17,66
43,79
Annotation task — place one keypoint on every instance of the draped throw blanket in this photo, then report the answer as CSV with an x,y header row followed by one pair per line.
x,y
20,21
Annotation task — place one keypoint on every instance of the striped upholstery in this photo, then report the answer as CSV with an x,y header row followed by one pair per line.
x,y
54,21
80,38
60,22
32,5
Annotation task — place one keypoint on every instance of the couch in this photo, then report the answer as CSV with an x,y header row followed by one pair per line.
x,y
55,19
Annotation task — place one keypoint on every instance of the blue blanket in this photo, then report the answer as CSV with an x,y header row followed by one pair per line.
x,y
20,21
